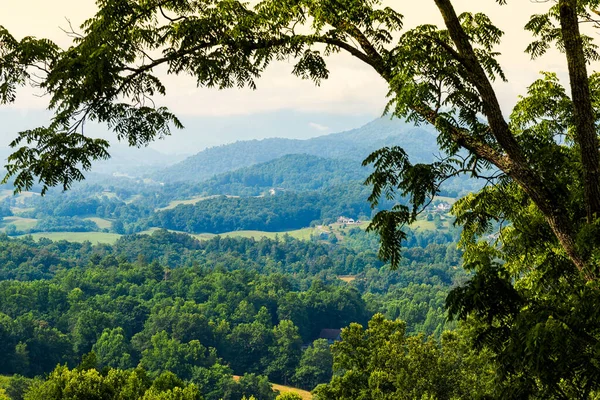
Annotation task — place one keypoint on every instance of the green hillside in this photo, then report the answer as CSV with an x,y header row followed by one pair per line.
x,y
297,172
355,145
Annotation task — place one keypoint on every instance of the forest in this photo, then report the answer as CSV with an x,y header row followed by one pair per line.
x,y
204,311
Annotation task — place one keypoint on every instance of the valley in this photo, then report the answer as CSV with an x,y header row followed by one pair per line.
x,y
232,271
200,201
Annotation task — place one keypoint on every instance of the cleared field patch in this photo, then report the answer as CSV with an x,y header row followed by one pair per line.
x,y
20,198
133,198
102,223
193,200
4,193
347,278
285,389
251,234
21,223
425,225
108,194
93,237
19,210
204,236
300,234
175,203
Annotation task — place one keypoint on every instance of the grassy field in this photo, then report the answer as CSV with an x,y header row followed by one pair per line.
x,y
285,389
93,237
108,195
20,223
133,198
101,237
101,222
347,278
302,234
175,203
193,200
4,193
19,210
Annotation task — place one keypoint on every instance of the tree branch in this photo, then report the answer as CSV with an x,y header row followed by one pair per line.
x,y
519,170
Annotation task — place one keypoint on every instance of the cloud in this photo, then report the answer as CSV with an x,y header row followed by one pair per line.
x,y
318,127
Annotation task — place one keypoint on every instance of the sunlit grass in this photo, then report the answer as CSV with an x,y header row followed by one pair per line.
x,y
93,237
101,222
20,223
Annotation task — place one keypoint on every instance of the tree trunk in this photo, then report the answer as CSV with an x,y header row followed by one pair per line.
x,y
585,130
516,166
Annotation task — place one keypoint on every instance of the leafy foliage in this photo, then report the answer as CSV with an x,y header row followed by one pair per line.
x,y
380,362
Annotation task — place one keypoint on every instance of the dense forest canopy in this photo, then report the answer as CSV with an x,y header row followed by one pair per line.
x,y
204,310
532,300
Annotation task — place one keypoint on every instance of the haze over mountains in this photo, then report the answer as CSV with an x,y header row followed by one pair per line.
x,y
354,145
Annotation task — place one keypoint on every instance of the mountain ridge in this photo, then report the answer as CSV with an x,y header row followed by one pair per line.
x,y
356,144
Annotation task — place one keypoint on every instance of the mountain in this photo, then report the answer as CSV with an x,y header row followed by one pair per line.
x,y
297,172
355,145
134,161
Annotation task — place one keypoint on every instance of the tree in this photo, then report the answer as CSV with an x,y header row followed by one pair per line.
x,y
17,386
285,351
440,76
63,383
248,347
529,291
289,396
315,365
112,349
381,362
257,386
166,354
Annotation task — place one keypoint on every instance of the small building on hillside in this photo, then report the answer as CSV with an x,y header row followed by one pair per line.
x,y
348,221
331,335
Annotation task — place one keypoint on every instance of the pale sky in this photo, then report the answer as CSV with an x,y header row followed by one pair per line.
x,y
353,88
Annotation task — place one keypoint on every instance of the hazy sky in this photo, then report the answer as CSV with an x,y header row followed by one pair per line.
x,y
352,90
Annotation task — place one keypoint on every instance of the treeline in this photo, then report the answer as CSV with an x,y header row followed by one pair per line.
x,y
55,224
284,211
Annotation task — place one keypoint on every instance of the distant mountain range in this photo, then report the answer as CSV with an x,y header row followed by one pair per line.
x,y
123,159
354,145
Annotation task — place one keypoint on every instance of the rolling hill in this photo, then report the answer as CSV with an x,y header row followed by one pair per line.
x,y
355,145
297,172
